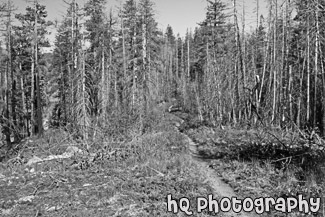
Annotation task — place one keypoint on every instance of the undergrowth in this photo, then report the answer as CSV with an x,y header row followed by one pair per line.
x,y
262,162
123,173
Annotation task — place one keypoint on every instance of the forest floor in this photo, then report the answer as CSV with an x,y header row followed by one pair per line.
x,y
261,163
56,176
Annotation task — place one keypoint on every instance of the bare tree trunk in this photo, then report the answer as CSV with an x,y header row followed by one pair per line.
x,y
274,61
134,79
288,26
316,65
124,57
176,65
102,86
290,93
167,85
255,59
149,84
6,121
257,13
188,56
187,78
184,77
283,96
10,72
238,64
12,79
236,88
197,95
308,66
116,91
171,75
23,102
72,65
144,85
301,76
109,77
7,130
32,94
243,60
323,89
264,68
84,103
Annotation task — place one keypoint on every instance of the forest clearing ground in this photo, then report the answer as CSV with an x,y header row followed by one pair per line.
x,y
55,176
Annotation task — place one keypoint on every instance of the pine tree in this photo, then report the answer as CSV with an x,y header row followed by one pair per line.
x,y
130,31
95,60
34,27
149,47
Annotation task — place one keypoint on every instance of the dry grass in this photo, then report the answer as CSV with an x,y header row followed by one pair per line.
x,y
247,160
118,177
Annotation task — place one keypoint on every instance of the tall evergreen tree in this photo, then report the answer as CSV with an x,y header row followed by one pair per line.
x,y
34,27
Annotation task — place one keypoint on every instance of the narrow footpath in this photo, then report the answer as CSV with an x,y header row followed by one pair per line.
x,y
220,188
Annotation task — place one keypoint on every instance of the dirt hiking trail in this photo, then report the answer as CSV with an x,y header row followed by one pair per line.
x,y
220,188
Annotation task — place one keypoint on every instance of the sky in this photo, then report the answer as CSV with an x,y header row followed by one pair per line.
x,y
179,14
